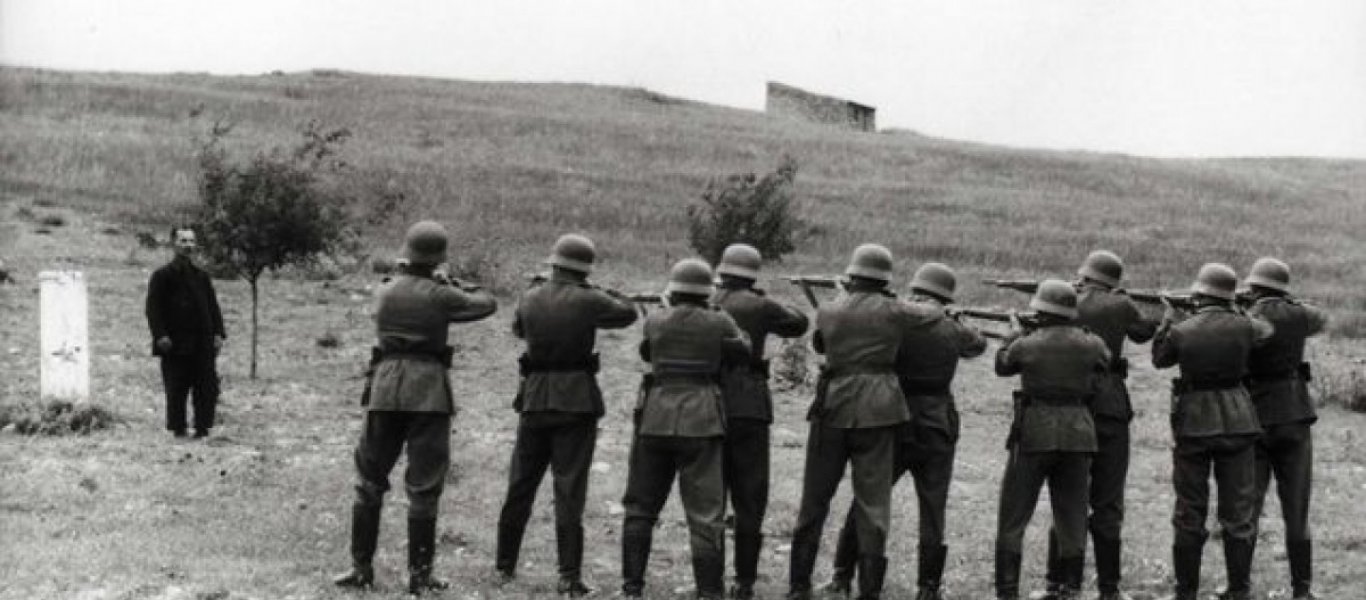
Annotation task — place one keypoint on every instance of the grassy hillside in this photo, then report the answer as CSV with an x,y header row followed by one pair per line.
x,y
513,165
260,510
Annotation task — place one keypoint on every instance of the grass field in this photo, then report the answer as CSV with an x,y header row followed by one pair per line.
x,y
260,510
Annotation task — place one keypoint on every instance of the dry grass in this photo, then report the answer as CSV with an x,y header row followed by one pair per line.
x,y
260,511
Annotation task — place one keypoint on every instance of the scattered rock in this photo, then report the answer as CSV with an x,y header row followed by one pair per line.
x,y
601,467
615,508
89,484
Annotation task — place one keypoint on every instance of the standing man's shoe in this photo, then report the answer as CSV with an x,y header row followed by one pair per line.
x,y
572,588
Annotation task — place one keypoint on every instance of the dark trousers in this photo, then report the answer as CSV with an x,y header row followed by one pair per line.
x,y
1026,473
927,454
564,443
746,468
1287,453
871,452
1109,472
1233,460
181,374
383,436
697,462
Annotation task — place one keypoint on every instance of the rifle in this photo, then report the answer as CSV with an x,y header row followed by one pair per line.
x,y
1028,286
646,298
1027,319
806,282
1181,300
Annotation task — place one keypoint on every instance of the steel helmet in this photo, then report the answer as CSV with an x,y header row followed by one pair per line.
x,y
425,243
1270,273
935,278
690,276
1216,280
574,252
873,261
1103,266
1055,297
740,260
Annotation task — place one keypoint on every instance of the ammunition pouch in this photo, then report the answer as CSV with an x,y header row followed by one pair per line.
x,y
1019,402
1181,385
375,357
827,373
527,366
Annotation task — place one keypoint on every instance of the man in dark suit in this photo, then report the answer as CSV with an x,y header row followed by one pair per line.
x,y
187,332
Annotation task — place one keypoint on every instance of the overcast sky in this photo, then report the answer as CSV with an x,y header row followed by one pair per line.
x,y
1153,77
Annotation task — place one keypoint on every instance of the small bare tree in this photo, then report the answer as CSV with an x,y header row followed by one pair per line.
x,y
749,209
273,210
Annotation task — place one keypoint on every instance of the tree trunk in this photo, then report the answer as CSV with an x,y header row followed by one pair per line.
x,y
254,324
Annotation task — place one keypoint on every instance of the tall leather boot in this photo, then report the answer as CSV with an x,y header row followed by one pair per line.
x,y
1186,567
569,550
709,571
1238,558
1107,567
930,577
799,570
1071,571
1301,555
364,537
509,548
421,551
1054,576
1007,575
635,555
748,546
846,561
872,572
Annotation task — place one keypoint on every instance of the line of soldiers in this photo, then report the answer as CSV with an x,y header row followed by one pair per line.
x,y
883,405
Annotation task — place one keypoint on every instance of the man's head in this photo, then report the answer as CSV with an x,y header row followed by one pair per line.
x,y
690,280
425,244
1215,281
740,264
1057,298
871,264
184,241
936,280
574,253
1102,266
1269,276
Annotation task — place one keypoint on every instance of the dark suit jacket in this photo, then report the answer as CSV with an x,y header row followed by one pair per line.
x,y
181,304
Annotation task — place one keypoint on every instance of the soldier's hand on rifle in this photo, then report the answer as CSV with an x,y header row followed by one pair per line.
x,y
1169,313
1016,327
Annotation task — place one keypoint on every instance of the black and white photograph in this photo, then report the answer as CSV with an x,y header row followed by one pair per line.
x,y
683,299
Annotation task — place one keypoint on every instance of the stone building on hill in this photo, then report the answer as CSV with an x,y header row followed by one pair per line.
x,y
787,101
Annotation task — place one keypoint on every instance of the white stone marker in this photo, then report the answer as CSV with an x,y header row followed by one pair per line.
x,y
65,364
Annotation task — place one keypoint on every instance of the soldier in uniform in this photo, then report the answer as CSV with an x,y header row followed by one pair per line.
x,y
1106,312
1053,437
187,333
559,402
925,366
856,417
410,403
1215,425
680,421
749,405
1277,379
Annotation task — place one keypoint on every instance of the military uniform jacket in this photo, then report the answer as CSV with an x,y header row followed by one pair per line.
x,y
1113,317
559,320
926,363
1059,368
1212,348
687,345
412,315
181,305
860,333
744,387
1279,390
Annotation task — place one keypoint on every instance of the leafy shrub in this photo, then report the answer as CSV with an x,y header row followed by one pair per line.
x,y
792,365
57,417
1347,390
749,209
